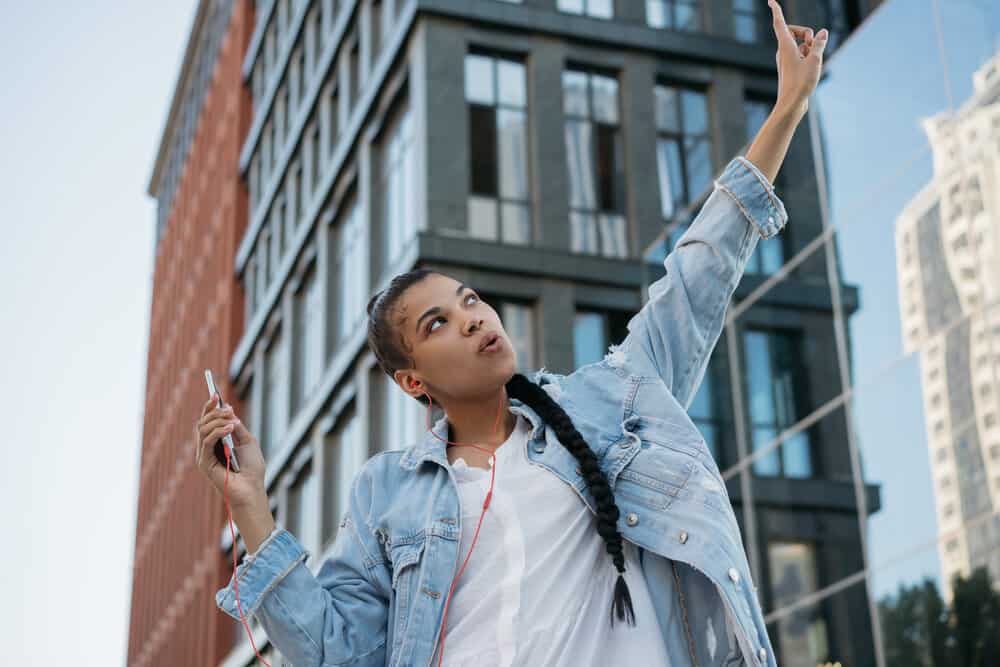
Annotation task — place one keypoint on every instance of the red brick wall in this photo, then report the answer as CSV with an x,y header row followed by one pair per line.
x,y
196,321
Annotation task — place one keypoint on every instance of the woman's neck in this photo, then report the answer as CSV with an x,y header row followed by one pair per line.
x,y
476,423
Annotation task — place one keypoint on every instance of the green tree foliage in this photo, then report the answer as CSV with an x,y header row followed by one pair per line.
x,y
919,630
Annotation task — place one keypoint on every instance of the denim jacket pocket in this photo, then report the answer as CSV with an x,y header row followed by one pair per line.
x,y
653,475
406,557
669,433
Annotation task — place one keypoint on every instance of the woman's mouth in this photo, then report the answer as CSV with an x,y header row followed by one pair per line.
x,y
494,345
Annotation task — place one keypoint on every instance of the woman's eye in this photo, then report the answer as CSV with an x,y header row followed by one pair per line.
x,y
430,326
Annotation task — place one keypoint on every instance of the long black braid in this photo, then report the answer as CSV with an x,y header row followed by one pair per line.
x,y
385,343
538,399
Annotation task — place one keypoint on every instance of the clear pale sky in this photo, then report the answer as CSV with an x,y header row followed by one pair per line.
x,y
85,94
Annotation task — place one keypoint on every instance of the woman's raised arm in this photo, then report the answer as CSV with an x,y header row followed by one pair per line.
x,y
676,330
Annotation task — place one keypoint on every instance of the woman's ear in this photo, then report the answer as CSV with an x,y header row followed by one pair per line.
x,y
410,383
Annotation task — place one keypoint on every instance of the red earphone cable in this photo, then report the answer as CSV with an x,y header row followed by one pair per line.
x,y
236,585
486,503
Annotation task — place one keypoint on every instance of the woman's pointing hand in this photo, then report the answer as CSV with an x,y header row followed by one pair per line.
x,y
799,63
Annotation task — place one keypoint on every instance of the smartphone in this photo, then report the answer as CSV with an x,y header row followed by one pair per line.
x,y
227,440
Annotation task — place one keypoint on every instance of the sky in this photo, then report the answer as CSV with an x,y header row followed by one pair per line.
x,y
86,94
86,89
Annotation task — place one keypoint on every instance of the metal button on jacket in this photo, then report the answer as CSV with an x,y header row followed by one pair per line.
x,y
539,447
734,575
762,654
632,518
683,537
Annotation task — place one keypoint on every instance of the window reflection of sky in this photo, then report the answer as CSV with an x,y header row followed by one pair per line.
x,y
888,76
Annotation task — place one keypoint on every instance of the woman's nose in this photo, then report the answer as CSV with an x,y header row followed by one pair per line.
x,y
473,324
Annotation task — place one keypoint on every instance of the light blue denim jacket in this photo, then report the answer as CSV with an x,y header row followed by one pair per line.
x,y
378,599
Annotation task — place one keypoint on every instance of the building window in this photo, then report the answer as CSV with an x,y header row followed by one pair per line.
x,y
397,173
352,263
254,181
598,9
776,391
249,291
275,224
595,163
353,72
594,331
262,270
270,49
498,162
381,26
403,417
249,416
281,123
257,84
332,115
703,411
750,23
833,15
294,194
518,320
284,15
674,14
301,515
296,86
683,148
802,635
314,158
288,214
267,162
303,196
318,33
309,41
519,323
276,397
345,452
309,325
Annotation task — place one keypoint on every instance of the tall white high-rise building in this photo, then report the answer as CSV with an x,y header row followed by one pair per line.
x,y
948,261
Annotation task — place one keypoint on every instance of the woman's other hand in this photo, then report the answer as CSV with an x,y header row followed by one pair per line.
x,y
246,488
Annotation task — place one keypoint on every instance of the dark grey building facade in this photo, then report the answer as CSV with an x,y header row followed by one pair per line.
x,y
547,152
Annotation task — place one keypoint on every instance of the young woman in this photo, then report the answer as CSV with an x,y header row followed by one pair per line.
x,y
558,520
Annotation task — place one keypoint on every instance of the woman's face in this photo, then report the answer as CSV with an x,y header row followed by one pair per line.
x,y
442,324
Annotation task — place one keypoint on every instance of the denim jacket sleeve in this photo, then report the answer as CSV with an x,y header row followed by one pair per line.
x,y
339,616
673,334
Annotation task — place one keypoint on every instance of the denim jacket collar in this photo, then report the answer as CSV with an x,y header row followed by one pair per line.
x,y
430,448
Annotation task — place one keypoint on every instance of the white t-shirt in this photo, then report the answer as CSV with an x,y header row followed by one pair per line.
x,y
539,584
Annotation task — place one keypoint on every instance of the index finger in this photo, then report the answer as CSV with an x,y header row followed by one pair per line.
x,y
781,30
209,404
